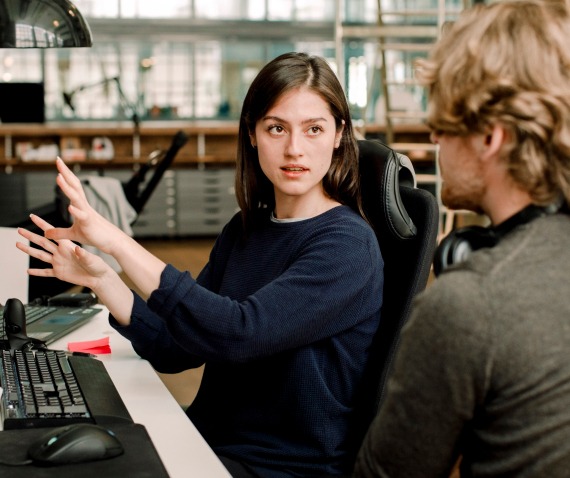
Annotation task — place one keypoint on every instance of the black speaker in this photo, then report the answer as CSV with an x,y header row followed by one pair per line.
x,y
458,245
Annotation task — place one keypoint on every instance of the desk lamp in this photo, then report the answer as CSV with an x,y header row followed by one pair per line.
x,y
126,104
42,24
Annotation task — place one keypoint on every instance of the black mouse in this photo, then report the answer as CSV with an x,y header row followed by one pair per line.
x,y
77,443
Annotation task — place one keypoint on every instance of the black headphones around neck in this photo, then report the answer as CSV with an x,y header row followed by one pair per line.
x,y
458,245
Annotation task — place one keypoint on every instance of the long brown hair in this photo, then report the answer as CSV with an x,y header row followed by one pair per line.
x,y
254,191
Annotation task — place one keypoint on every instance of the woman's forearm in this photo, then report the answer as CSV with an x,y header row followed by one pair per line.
x,y
141,266
117,297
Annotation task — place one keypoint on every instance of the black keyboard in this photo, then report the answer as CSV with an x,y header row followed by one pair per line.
x,y
46,388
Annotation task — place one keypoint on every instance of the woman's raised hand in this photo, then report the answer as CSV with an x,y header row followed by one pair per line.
x,y
73,264
69,262
89,227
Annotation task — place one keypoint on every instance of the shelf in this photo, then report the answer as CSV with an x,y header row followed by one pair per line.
x,y
209,141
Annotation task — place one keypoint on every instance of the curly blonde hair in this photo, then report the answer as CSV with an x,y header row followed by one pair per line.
x,y
508,63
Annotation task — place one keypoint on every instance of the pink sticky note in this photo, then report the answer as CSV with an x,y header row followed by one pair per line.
x,y
98,346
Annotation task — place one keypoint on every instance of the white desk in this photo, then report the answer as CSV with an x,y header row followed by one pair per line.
x,y
181,447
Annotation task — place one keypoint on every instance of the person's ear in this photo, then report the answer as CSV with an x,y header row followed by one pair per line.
x,y
493,141
252,140
338,135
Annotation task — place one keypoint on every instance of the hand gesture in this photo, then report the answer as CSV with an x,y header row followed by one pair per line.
x,y
89,227
69,262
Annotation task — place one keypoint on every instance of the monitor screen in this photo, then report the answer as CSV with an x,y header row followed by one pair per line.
x,y
22,102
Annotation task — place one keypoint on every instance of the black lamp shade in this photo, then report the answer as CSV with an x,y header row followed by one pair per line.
x,y
42,24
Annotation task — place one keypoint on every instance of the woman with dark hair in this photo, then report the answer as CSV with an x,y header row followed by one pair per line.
x,y
290,72
284,312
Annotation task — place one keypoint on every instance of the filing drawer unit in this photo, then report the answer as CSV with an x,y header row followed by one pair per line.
x,y
186,202
205,200
158,218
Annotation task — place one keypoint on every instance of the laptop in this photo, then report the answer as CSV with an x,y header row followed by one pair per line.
x,y
49,323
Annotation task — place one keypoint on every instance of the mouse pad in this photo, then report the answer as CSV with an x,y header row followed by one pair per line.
x,y
140,458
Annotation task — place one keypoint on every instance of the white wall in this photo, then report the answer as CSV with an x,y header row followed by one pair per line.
x,y
13,267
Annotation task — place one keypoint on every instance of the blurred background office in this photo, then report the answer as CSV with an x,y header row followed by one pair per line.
x,y
194,59
155,67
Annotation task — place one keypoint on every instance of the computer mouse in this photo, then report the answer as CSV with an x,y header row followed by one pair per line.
x,y
76,443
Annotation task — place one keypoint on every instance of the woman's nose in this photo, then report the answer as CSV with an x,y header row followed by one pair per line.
x,y
294,145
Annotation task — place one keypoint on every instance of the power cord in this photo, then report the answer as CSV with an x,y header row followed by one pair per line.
x,y
21,463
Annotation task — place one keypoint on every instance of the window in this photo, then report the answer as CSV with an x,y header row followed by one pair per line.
x,y
192,59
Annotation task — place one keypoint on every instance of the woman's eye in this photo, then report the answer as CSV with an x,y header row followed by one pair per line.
x,y
275,129
314,130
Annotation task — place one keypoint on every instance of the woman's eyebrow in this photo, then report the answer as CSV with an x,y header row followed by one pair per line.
x,y
281,120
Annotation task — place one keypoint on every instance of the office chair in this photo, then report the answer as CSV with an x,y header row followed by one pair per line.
x,y
137,192
405,220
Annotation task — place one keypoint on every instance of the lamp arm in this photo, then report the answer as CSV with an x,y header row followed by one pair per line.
x,y
81,88
126,103
122,97
134,117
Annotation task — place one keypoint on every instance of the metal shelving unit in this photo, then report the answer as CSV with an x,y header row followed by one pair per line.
x,y
401,33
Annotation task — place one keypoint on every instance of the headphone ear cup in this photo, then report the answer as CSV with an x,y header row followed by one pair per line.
x,y
458,245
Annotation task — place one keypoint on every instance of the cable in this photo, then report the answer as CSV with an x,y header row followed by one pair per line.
x,y
21,463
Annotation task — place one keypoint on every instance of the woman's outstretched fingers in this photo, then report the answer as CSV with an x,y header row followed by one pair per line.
x,y
51,233
40,254
68,181
41,241
64,170
41,223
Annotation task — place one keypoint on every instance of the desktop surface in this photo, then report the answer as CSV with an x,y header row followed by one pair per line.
x,y
180,446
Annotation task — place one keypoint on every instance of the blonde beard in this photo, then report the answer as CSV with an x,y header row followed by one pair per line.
x,y
467,198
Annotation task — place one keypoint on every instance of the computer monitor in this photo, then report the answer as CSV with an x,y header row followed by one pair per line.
x,y
22,102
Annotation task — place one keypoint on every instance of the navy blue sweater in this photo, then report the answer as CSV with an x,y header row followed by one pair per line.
x,y
283,321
